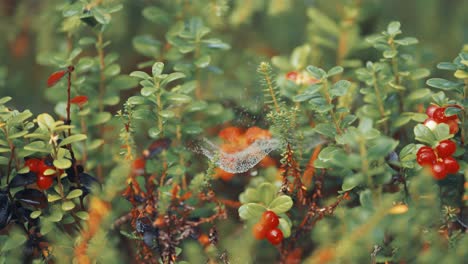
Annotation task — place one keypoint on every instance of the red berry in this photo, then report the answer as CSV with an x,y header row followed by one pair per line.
x,y
44,182
79,100
275,236
33,164
270,220
453,125
439,115
42,167
439,171
138,165
292,76
426,158
424,149
451,165
430,110
259,231
55,77
446,148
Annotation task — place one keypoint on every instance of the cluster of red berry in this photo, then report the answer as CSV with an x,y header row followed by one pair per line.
x,y
39,167
436,115
268,228
440,159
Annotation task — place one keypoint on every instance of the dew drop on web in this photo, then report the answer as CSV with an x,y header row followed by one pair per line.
x,y
240,161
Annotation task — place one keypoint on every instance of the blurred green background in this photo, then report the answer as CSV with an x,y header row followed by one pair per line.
x,y
254,29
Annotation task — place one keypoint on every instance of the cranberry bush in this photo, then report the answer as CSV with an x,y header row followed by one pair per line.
x,y
189,138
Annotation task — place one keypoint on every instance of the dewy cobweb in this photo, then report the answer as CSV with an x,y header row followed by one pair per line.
x,y
240,161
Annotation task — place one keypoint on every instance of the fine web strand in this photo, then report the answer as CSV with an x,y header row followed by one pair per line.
x,y
240,161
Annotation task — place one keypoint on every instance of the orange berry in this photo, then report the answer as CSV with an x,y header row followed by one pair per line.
x,y
259,231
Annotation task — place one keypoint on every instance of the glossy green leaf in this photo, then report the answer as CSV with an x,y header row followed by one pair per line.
x,y
251,211
281,204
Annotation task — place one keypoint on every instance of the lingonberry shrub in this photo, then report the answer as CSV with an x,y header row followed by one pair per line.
x,y
231,132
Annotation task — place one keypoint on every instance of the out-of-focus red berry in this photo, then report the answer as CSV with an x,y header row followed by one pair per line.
x,y
439,170
255,133
430,110
453,125
138,165
230,134
292,75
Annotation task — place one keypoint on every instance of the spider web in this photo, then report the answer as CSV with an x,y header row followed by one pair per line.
x,y
240,161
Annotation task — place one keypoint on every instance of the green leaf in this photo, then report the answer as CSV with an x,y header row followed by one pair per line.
x,y
281,204
35,214
101,16
157,69
62,164
285,227
180,98
317,73
140,74
123,82
100,118
3,160
251,211
418,74
340,88
37,146
56,216
46,122
388,54
424,134
172,77
68,205
448,66
326,129
299,56
74,194
393,28
147,45
154,132
365,198
14,240
203,61
350,182
82,215
335,70
449,111
266,192
18,135
381,148
53,197
442,132
155,15
443,84
168,114
407,41
72,139
5,100
112,70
